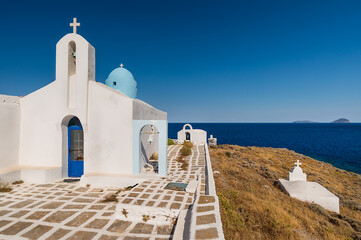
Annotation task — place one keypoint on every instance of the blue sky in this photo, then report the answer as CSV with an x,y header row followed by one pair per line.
x,y
202,61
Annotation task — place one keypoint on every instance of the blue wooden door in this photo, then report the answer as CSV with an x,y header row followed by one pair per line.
x,y
76,151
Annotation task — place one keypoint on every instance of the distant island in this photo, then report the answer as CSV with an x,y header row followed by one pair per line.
x,y
340,120
304,121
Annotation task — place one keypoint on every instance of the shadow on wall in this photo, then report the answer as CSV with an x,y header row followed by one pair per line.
x,y
143,153
148,147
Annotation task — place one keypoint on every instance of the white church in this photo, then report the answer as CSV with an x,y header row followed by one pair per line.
x,y
77,127
197,136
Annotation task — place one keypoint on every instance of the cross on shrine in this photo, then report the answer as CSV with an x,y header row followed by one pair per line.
x,y
298,163
74,24
121,65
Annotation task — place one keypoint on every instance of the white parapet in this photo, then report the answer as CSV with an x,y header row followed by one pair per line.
x,y
181,224
31,174
192,186
311,192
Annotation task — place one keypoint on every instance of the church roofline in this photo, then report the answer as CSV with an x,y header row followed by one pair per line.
x,y
148,105
113,90
73,36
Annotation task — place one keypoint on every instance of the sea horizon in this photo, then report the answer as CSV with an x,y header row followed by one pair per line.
x,y
269,122
335,143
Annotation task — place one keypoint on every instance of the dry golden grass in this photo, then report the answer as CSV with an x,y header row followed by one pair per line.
x,y
254,207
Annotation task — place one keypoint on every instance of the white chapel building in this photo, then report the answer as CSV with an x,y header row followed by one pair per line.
x,y
77,127
197,136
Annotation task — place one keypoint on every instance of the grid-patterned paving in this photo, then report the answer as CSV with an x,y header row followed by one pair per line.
x,y
68,211
153,194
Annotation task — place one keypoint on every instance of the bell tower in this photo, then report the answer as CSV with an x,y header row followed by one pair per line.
x,y
75,67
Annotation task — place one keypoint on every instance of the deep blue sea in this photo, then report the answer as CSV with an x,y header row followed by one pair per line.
x,y
335,143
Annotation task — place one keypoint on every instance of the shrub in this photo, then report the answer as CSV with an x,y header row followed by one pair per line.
x,y
185,151
170,142
18,182
184,166
319,209
188,144
145,218
354,205
184,163
154,156
111,198
228,154
5,187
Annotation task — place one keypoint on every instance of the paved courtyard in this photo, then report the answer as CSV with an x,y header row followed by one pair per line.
x,y
67,211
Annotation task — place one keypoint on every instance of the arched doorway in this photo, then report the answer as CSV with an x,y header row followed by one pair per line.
x,y
188,136
75,148
149,152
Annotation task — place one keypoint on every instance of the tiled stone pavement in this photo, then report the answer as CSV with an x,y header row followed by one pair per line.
x,y
153,194
68,211
205,216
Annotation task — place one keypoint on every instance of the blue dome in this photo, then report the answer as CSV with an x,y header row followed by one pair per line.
x,y
121,79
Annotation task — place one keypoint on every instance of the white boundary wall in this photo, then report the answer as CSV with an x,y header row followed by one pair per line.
x,y
210,191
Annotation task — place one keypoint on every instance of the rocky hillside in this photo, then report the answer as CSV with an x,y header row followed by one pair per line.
x,y
254,207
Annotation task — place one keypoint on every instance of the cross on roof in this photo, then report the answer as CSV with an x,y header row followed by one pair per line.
x,y
74,24
298,163
121,65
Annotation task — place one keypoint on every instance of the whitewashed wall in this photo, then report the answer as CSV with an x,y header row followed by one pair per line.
x,y
43,112
109,147
197,136
9,131
40,144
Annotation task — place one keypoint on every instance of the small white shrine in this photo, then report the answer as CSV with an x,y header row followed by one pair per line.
x,y
312,192
197,136
297,174
212,141
77,127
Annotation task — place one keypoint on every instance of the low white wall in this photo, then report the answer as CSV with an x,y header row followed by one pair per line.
x,y
10,175
30,174
311,192
40,175
9,131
